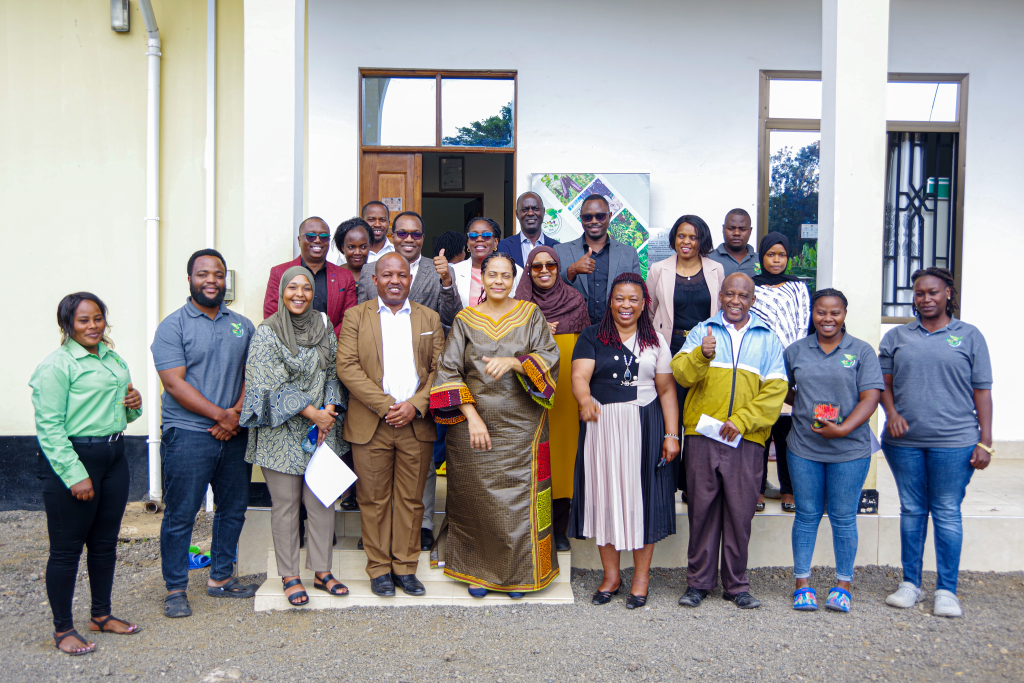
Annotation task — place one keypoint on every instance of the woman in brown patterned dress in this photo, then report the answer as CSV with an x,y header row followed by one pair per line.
x,y
494,384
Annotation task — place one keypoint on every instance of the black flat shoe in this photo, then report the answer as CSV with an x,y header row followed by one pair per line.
x,y
360,543
634,601
743,600
409,583
349,503
383,586
562,543
426,539
604,597
760,507
789,507
693,597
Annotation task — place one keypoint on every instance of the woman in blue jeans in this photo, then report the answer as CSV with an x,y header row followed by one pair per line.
x,y
938,407
835,383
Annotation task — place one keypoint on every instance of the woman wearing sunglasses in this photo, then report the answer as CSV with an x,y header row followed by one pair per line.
x,y
482,236
566,313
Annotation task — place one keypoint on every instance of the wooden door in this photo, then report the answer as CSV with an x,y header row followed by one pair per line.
x,y
395,179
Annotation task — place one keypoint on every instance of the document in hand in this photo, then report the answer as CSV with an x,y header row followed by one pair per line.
x,y
709,427
327,476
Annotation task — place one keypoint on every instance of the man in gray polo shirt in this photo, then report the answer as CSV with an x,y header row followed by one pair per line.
x,y
735,253
200,351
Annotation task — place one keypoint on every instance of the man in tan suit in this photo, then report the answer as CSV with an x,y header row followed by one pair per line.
x,y
388,350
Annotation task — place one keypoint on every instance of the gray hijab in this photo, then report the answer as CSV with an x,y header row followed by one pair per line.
x,y
306,329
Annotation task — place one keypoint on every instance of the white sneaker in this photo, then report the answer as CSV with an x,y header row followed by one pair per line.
x,y
907,595
947,605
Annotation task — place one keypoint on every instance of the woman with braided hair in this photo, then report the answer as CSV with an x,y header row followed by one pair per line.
x,y
938,430
623,494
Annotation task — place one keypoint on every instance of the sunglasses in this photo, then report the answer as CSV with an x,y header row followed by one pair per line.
x,y
587,217
478,235
402,234
314,237
538,267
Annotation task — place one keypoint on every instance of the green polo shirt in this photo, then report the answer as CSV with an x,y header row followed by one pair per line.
x,y
77,393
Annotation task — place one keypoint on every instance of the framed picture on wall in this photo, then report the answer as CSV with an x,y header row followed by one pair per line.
x,y
451,171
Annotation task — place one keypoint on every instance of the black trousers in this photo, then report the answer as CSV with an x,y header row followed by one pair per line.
x,y
74,523
780,430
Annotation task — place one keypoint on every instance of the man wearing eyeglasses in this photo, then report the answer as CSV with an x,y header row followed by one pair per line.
x,y
593,261
530,213
334,288
378,217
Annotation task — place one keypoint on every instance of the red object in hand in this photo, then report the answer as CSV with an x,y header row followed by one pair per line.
x,y
825,411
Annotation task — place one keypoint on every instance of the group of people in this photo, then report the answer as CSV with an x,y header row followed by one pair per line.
x,y
399,362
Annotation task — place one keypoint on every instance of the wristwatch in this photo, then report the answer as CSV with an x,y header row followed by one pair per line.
x,y
990,450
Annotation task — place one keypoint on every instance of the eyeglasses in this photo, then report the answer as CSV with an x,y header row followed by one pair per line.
x,y
587,217
402,234
322,236
538,267
478,235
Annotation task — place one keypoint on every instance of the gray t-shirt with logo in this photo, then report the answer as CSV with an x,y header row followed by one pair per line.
x,y
213,352
836,379
934,375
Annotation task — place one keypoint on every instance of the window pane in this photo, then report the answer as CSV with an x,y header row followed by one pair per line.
x,y
399,111
794,99
477,112
793,197
921,101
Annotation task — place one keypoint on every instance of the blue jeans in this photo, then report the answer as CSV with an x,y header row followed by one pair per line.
x,y
814,483
191,461
930,480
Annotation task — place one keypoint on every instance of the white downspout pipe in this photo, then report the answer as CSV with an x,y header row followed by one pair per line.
x,y
156,492
210,154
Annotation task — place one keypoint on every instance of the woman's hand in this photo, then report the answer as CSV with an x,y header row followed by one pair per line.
x,y
980,458
132,399
589,411
895,424
83,490
479,437
669,448
497,367
829,429
553,327
324,420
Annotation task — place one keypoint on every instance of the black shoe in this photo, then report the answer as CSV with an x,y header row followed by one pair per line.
x,y
604,597
349,503
383,586
693,597
426,539
409,583
743,600
360,543
634,601
562,543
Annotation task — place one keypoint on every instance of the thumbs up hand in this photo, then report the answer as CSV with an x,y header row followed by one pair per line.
x,y
132,399
441,266
586,264
707,345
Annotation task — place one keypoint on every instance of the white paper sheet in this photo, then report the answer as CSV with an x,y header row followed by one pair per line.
x,y
709,427
327,476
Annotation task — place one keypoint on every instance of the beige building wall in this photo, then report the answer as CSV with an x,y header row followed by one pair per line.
x,y
72,169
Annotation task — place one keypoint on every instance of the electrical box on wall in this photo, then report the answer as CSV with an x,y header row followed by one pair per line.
x,y
229,286
119,20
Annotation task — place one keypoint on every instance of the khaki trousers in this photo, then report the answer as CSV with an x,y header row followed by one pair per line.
x,y
392,469
286,490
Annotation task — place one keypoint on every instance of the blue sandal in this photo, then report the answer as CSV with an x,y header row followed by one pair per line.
x,y
805,600
838,600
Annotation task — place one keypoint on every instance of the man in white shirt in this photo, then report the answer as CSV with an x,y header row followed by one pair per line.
x,y
378,217
388,350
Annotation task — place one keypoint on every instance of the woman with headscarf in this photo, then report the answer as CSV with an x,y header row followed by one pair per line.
x,y
783,303
624,495
565,310
292,405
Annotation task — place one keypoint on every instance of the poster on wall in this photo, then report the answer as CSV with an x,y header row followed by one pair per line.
x,y
629,199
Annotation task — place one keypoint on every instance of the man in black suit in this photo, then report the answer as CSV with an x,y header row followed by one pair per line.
x,y
530,212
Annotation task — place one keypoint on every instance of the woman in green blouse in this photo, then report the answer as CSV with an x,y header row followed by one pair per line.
x,y
83,399
290,373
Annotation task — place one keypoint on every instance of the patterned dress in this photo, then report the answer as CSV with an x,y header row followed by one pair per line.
x,y
499,501
278,386
786,309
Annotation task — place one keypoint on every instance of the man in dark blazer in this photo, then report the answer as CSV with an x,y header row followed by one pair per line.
x,y
530,212
593,261
334,287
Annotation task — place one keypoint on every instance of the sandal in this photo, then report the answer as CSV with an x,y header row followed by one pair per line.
x,y
298,598
232,589
838,600
805,599
176,605
101,626
57,640
321,585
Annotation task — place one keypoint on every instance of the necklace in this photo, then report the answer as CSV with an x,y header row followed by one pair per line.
x,y
700,266
628,378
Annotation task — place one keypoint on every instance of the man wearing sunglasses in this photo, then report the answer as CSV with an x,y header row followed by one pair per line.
x,y
530,213
334,288
378,217
593,261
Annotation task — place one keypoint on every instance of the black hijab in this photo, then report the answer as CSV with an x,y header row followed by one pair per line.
x,y
767,242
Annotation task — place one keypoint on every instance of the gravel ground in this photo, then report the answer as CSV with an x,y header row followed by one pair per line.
x,y
225,640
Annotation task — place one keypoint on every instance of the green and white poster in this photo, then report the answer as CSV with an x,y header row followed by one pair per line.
x,y
629,199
